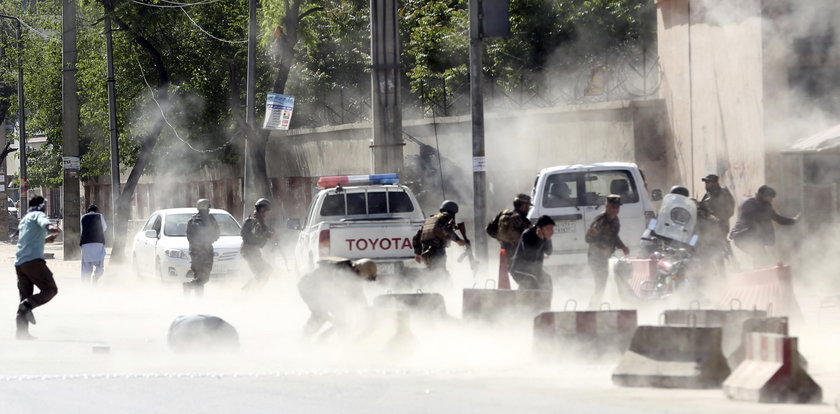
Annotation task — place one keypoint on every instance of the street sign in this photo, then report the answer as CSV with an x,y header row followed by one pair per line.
x,y
71,163
278,111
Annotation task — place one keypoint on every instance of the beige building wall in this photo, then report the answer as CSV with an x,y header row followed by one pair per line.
x,y
518,145
711,56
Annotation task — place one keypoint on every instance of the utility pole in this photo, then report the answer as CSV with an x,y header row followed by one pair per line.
x,y
385,87
488,19
112,122
70,130
250,100
24,184
477,110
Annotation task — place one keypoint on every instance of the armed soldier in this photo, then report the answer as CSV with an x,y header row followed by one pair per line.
x,y
431,240
603,240
507,227
255,234
202,231
714,211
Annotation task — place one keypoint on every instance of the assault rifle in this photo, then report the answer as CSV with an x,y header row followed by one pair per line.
x,y
468,252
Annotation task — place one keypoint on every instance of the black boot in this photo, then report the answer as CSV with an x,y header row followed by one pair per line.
x,y
23,328
25,310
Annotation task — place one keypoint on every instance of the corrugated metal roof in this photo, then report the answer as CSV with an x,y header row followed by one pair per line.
x,y
828,139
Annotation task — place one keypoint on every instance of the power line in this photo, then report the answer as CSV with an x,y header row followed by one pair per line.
x,y
162,114
209,34
173,5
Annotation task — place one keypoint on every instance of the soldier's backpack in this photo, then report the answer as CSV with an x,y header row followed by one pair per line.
x,y
505,227
492,228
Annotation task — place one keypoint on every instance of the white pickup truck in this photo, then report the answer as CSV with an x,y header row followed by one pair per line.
x,y
360,217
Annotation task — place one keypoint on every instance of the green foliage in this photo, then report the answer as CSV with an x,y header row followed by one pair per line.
x,y
207,77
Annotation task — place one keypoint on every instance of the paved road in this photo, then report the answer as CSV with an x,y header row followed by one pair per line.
x,y
451,367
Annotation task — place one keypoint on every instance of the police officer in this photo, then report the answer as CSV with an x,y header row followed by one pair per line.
x,y
508,225
603,240
334,292
714,211
255,234
202,231
753,232
431,240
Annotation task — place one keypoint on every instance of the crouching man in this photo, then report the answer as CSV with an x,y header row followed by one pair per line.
x,y
334,293
534,245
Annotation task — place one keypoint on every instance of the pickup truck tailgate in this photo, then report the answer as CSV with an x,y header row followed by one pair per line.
x,y
373,239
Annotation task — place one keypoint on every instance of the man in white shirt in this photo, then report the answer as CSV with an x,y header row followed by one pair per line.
x,y
93,244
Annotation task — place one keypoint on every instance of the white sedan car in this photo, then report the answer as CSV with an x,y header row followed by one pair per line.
x,y
161,248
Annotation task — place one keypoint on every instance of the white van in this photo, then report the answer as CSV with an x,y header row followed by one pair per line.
x,y
573,195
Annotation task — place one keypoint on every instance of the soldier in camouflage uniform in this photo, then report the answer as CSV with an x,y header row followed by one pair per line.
x,y
202,231
431,240
603,240
509,225
713,213
255,234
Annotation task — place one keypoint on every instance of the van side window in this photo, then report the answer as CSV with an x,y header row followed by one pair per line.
x,y
599,184
561,191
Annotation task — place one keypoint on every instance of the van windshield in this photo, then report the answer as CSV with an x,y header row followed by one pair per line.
x,y
588,189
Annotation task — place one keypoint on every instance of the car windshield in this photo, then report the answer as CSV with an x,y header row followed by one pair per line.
x,y
176,225
588,189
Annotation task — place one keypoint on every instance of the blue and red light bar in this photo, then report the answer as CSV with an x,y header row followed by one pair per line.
x,y
351,180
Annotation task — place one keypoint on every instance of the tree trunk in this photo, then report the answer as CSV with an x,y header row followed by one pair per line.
x,y
258,139
147,145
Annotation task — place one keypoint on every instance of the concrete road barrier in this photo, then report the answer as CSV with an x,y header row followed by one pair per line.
x,y
732,322
418,304
593,333
500,304
761,325
771,373
673,357
770,288
202,333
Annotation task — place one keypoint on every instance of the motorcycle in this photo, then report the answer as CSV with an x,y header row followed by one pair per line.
x,y
669,241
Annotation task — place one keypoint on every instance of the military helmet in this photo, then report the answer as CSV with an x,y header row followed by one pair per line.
x,y
203,204
262,203
678,189
522,199
449,206
366,268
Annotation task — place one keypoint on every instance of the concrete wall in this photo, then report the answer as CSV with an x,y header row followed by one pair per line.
x,y
711,55
518,145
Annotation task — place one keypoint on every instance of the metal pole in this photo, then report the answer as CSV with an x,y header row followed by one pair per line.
x,y
70,131
112,121
250,90
21,113
385,87
477,108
